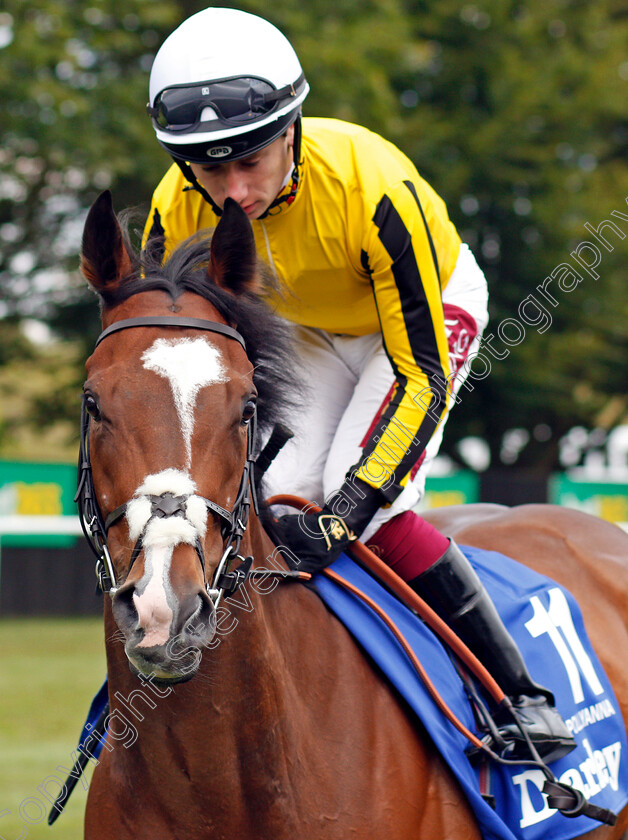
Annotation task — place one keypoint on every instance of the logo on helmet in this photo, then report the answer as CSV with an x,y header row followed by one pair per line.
x,y
219,151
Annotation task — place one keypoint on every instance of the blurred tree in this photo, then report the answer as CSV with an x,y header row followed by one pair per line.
x,y
72,89
39,388
514,111
519,120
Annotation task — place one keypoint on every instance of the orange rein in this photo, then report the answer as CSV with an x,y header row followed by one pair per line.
x,y
416,603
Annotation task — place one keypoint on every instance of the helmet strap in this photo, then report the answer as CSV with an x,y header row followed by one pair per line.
x,y
195,185
296,146
289,197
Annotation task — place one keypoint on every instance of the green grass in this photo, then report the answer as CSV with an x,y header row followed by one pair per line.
x,y
50,670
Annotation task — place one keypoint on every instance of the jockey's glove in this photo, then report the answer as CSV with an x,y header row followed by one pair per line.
x,y
311,541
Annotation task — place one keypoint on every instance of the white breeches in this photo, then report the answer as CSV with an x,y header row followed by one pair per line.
x,y
346,379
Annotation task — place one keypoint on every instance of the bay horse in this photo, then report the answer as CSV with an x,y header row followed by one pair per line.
x,y
283,729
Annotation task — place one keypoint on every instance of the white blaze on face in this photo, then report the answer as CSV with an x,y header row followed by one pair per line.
x,y
154,599
188,364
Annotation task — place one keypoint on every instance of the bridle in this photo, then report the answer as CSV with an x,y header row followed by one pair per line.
x,y
233,523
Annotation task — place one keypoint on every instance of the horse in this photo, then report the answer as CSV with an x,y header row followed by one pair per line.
x,y
268,721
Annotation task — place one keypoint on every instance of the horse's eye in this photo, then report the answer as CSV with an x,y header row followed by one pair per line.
x,y
249,410
91,407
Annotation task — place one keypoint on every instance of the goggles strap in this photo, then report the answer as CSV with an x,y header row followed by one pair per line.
x,y
287,90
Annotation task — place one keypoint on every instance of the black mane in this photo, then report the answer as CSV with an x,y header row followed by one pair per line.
x,y
268,338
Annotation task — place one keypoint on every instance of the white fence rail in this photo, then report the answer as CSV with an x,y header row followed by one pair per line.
x,y
16,525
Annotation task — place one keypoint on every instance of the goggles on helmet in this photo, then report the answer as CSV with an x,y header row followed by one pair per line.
x,y
234,101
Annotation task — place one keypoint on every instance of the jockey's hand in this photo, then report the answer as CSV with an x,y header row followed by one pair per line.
x,y
313,540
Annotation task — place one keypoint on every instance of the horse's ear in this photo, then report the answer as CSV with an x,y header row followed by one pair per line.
x,y
233,261
105,260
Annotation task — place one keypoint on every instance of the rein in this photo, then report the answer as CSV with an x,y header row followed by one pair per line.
x,y
234,522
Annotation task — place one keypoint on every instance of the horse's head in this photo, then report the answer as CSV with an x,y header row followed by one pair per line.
x,y
168,428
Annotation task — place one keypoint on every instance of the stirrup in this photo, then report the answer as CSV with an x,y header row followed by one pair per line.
x,y
542,724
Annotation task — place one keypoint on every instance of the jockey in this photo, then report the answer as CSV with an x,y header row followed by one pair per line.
x,y
388,306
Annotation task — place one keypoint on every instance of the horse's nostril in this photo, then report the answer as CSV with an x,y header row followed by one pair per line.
x,y
202,623
124,610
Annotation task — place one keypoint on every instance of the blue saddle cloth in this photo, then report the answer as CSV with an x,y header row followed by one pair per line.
x,y
546,623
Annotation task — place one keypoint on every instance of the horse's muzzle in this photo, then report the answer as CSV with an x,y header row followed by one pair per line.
x,y
166,648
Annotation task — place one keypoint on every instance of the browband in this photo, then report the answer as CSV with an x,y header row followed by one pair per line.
x,y
165,321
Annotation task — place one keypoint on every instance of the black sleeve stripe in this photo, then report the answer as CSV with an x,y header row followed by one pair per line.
x,y
412,189
397,241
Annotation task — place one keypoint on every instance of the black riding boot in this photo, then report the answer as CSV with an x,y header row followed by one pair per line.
x,y
452,588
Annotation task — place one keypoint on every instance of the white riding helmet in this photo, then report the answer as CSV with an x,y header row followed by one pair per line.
x,y
224,85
